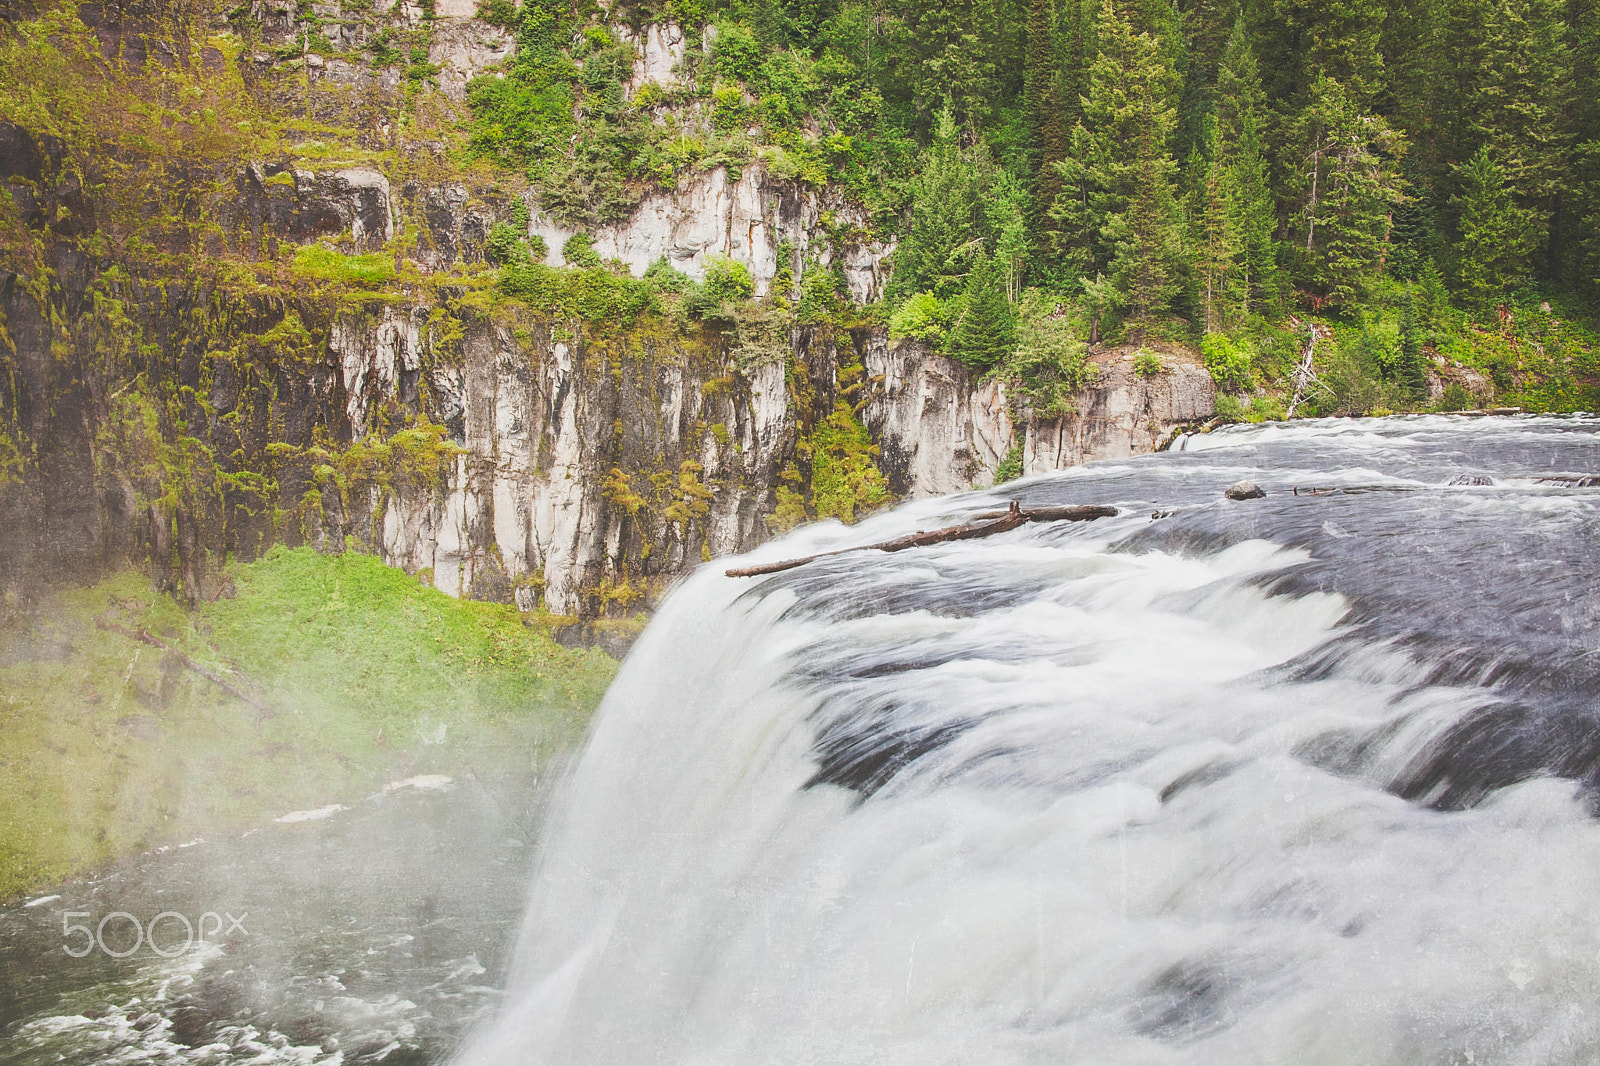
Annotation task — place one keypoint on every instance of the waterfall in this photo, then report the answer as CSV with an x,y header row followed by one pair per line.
x,y
1306,779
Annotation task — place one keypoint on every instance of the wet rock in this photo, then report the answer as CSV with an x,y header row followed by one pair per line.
x,y
942,429
1244,490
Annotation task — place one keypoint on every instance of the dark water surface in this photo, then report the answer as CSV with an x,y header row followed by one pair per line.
x,y
373,934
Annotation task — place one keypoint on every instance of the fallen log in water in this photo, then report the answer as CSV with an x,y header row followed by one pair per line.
x,y
987,524
1570,481
1079,513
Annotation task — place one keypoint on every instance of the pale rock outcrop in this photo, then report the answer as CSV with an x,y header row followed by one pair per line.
x,y
543,428
464,47
546,427
1123,413
746,220
378,359
939,429
660,53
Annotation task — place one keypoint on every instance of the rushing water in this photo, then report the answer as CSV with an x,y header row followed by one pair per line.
x,y
1303,779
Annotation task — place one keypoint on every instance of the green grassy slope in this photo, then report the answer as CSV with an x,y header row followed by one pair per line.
x,y
109,745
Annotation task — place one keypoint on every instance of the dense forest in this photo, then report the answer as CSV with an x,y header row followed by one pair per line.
x,y
1066,171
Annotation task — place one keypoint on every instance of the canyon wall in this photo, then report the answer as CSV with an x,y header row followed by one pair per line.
x,y
204,356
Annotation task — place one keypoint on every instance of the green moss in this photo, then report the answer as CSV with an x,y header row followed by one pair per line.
x,y
108,746
1010,467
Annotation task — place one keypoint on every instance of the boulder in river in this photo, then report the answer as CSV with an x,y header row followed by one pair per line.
x,y
1244,490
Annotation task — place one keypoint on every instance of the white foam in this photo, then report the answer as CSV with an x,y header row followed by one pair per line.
x,y
314,815
422,782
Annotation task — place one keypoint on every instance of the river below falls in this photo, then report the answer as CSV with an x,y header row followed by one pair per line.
x,y
1311,779
378,933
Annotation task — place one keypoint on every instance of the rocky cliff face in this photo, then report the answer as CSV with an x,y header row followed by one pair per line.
x,y
180,388
535,510
752,219
1123,413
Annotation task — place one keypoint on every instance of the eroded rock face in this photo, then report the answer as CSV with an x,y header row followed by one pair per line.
x,y
548,425
280,203
746,220
939,429
661,51
573,461
1123,414
596,462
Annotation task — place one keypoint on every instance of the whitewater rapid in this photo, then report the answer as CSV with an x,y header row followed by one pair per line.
x,y
1306,779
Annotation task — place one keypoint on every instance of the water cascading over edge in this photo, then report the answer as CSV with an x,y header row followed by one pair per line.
x,y
1308,778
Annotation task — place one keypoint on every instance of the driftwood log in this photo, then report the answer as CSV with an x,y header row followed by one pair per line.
x,y
986,525
144,636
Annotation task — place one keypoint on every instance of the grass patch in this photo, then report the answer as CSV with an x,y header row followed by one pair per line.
x,y
317,262
109,746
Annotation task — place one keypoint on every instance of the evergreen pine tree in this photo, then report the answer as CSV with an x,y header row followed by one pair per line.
x,y
1117,211
1340,41
986,333
948,223
1410,369
1413,54
1046,119
1583,19
1005,210
1517,98
1241,109
1414,238
1496,234
1213,211
1350,185
1206,26
1239,93
1258,286
1147,239
1078,44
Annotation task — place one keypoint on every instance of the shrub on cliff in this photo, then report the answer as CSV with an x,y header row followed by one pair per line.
x,y
844,472
578,251
920,318
986,333
595,295
727,285
1228,361
1050,364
